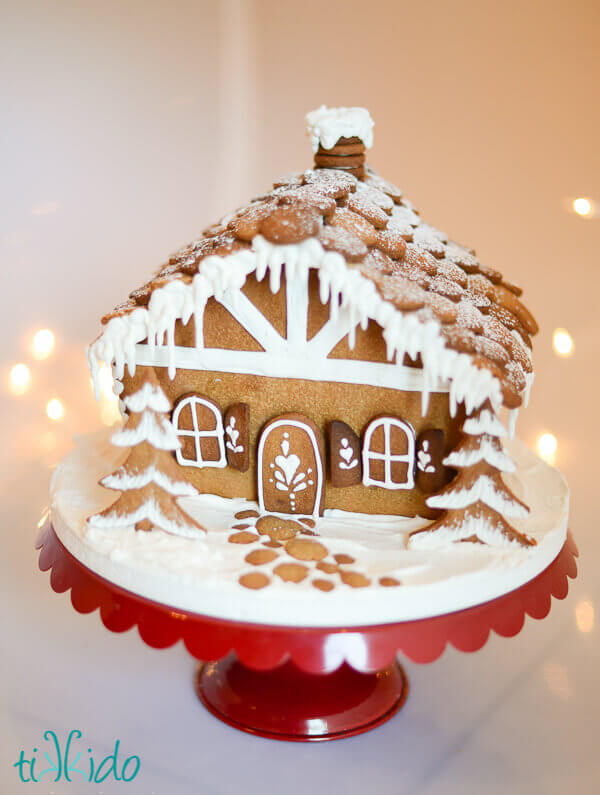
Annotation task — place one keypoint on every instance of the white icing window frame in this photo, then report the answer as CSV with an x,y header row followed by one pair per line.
x,y
197,434
387,456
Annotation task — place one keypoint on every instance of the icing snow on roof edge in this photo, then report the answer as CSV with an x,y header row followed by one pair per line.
x,y
403,332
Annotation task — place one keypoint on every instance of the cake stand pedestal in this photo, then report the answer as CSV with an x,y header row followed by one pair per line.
x,y
302,684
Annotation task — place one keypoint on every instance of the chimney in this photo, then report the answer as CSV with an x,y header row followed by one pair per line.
x,y
340,138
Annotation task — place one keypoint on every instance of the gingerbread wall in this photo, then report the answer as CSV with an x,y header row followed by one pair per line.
x,y
322,402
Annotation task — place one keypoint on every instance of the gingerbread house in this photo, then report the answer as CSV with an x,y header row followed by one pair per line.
x,y
323,348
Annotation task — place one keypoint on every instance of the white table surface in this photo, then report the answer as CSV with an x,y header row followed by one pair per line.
x,y
131,125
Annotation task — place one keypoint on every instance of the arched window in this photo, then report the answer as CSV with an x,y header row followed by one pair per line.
x,y
199,426
389,454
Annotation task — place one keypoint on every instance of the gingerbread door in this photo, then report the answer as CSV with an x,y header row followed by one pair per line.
x,y
290,466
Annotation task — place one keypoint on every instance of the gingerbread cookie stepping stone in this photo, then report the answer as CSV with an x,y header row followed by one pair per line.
x,y
305,549
243,537
278,528
323,585
328,568
291,572
255,580
247,515
343,558
354,579
258,557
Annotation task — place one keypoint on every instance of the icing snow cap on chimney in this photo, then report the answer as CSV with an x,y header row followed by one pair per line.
x,y
339,137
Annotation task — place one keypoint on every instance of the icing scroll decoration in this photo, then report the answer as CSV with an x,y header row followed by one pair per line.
x,y
287,475
232,437
345,455
237,436
430,473
424,459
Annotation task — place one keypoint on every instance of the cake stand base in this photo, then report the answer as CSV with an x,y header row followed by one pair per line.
x,y
288,704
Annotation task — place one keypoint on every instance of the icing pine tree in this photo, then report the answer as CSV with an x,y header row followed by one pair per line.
x,y
149,479
477,502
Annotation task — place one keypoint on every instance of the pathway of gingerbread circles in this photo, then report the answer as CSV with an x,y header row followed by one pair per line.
x,y
289,549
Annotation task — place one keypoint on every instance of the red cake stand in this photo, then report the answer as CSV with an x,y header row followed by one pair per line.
x,y
302,684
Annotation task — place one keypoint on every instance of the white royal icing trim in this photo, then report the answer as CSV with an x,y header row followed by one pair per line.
x,y
486,452
122,480
487,422
247,314
264,363
483,490
296,298
152,428
444,369
511,428
529,379
388,457
484,529
327,125
148,397
197,434
148,510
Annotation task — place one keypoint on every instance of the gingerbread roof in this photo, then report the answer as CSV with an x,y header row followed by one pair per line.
x,y
357,214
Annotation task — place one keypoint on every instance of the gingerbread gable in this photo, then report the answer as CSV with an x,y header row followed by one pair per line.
x,y
452,355
376,262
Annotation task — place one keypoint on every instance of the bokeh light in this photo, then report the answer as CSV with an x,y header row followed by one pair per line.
x,y
19,379
42,344
584,616
547,446
55,409
562,342
582,206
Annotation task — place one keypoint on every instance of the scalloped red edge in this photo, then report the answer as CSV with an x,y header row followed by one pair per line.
x,y
315,650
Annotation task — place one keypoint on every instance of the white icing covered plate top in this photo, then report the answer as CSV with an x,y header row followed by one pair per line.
x,y
347,570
